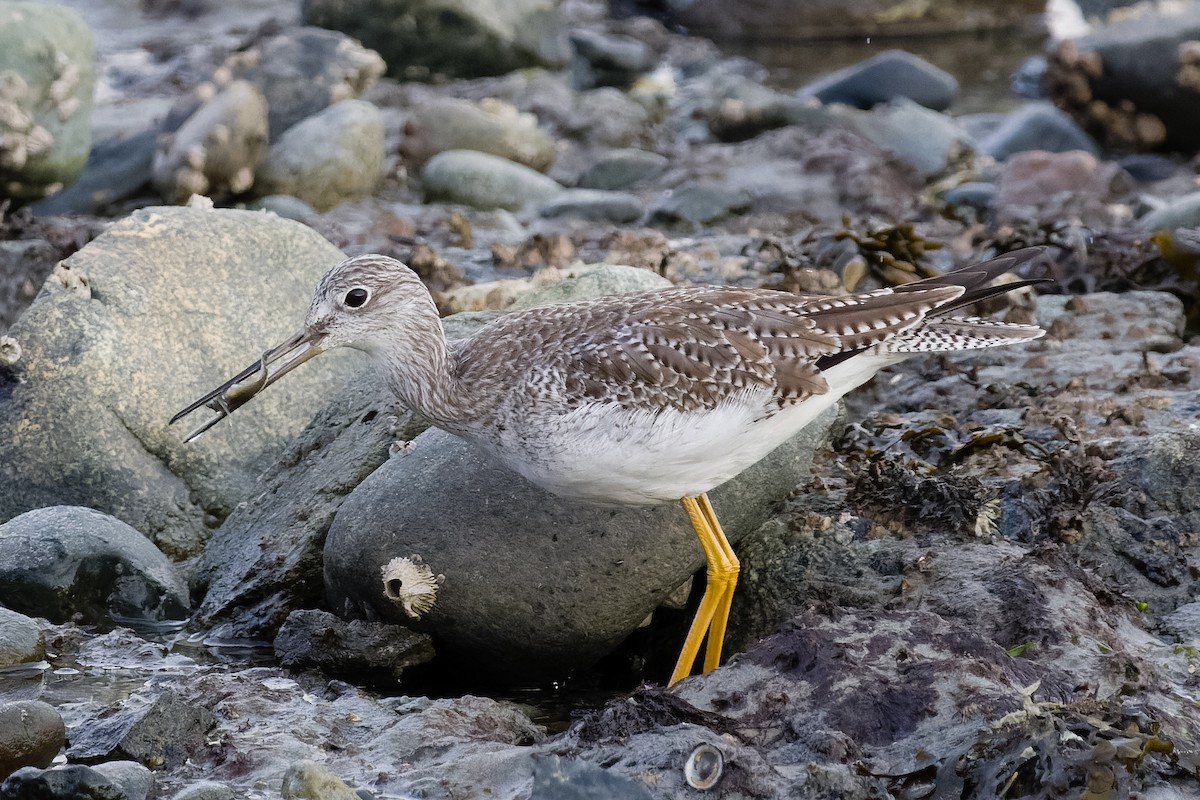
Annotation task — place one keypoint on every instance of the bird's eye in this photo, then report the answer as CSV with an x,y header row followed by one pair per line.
x,y
355,297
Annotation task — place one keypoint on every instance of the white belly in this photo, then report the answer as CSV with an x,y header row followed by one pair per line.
x,y
606,454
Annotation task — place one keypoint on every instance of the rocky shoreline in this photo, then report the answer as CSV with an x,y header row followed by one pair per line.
x,y
977,579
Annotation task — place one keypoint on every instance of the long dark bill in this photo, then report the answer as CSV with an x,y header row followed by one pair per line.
x,y
246,385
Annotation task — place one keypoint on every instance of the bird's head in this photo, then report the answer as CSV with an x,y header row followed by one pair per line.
x,y
370,302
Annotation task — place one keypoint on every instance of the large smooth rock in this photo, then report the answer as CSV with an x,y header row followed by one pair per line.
x,y
46,79
21,640
484,181
67,562
534,586
329,158
420,39
448,123
302,71
31,734
163,306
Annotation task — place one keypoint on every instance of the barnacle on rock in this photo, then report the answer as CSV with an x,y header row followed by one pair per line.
x,y
411,584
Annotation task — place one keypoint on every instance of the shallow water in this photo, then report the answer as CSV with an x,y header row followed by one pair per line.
x,y
983,63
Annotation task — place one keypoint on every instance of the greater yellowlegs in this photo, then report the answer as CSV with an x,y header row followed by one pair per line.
x,y
635,399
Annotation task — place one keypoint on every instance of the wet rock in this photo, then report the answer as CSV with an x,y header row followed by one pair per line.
x,y
556,778
606,117
21,640
24,265
806,173
697,204
157,295
31,734
286,206
46,80
131,778
1040,185
484,181
562,583
311,638
206,790
421,40
117,168
327,159
73,781
67,562
266,559
216,150
976,195
155,727
400,746
622,168
594,205
1133,83
302,71
310,781
607,59
883,78
490,126
1037,126
1182,212
736,107
927,140
1148,167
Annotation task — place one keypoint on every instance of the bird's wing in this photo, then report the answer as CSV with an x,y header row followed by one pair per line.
x,y
691,348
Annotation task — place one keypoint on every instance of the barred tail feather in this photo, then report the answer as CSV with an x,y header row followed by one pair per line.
x,y
960,333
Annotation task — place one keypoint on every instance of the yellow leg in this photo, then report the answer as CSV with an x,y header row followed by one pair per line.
x,y
713,613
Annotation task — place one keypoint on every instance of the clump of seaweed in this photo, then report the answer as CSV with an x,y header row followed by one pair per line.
x,y
1093,749
1056,498
907,490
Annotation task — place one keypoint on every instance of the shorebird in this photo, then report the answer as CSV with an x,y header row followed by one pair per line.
x,y
635,399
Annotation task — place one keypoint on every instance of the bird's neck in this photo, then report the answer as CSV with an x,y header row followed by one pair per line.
x,y
421,373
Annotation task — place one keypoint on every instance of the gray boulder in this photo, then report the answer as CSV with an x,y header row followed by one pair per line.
x,y
623,167
46,81
134,780
880,79
21,640
216,150
329,158
928,140
154,725
69,780
594,205
534,586
31,734
448,123
358,648
421,39
163,306
484,181
206,790
302,71
65,563
1037,126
